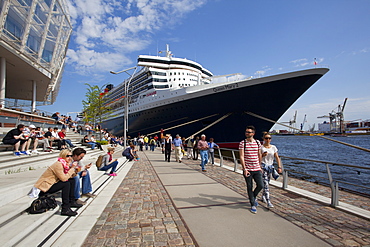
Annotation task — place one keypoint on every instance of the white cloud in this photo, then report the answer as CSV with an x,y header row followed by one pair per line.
x,y
364,50
262,72
107,31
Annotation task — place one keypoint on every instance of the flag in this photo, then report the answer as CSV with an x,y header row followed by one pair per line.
x,y
315,62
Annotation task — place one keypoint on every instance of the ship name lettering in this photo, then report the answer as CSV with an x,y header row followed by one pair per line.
x,y
225,87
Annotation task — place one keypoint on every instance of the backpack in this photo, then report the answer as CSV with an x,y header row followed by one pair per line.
x,y
99,161
42,204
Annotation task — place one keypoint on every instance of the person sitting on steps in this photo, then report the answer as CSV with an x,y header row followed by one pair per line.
x,y
15,137
109,163
56,177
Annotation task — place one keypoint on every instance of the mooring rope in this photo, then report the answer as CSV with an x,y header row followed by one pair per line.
x,y
218,120
196,120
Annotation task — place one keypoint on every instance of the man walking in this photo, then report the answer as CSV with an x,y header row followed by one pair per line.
x,y
250,159
167,148
203,150
177,142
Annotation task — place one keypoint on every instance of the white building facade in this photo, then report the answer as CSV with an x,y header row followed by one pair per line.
x,y
34,36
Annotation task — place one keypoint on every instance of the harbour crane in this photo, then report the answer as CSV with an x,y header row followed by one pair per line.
x,y
304,121
336,118
292,122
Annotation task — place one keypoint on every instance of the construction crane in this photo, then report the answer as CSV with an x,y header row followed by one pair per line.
x,y
304,121
340,116
292,123
336,118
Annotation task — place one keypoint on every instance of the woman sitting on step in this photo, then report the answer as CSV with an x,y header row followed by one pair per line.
x,y
55,178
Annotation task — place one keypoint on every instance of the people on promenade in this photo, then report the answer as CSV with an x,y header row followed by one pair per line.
x,y
82,172
189,147
141,142
195,148
211,150
146,142
109,163
130,153
15,137
250,159
167,148
177,143
203,150
56,177
152,143
269,152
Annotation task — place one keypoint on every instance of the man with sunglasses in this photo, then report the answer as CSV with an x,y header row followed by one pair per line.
x,y
250,159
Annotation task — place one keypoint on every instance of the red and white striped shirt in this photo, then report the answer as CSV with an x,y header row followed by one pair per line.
x,y
251,151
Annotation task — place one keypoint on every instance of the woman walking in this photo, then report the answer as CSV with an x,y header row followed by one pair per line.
x,y
269,152
211,150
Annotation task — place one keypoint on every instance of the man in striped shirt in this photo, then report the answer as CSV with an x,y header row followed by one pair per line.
x,y
250,159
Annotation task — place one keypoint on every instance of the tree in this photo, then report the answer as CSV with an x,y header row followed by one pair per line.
x,y
95,110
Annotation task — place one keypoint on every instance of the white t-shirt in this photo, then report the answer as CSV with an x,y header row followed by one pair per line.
x,y
269,158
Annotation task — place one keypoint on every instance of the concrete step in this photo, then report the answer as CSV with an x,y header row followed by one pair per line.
x,y
11,163
33,229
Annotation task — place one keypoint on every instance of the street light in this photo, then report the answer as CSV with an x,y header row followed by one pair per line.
x,y
127,85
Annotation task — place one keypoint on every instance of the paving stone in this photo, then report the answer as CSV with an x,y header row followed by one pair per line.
x,y
142,214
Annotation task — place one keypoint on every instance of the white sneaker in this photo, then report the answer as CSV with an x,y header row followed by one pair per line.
x,y
35,152
264,199
269,204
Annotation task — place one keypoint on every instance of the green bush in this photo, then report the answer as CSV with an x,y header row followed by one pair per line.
x,y
102,142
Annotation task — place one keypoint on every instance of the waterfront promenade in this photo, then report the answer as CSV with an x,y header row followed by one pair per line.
x,y
172,204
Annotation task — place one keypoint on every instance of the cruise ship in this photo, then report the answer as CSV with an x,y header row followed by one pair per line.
x,y
179,96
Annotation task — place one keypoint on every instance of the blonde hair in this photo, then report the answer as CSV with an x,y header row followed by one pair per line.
x,y
110,149
63,154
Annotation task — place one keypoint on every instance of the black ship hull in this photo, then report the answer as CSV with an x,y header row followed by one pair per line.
x,y
270,99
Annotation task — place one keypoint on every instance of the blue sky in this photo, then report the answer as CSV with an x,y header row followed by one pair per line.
x,y
227,36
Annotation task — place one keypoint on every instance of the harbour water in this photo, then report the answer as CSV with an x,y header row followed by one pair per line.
x,y
316,148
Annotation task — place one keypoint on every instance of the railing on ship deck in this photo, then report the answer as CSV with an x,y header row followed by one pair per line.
x,y
233,155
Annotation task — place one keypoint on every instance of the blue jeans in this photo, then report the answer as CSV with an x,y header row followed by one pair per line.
x,y
92,144
69,143
204,158
212,156
86,184
112,165
152,147
257,177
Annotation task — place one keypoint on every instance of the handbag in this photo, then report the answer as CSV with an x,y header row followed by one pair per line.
x,y
42,204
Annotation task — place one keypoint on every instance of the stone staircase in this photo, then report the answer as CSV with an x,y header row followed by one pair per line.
x,y
18,175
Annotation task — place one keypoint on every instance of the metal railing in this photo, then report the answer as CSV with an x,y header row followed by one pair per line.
x,y
233,155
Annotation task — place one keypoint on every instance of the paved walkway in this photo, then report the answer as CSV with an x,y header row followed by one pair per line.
x,y
173,204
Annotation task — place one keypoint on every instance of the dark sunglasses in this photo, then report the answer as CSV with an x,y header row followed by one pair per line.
x,y
268,138
69,155
249,132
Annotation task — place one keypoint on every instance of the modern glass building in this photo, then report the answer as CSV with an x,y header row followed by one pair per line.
x,y
34,36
